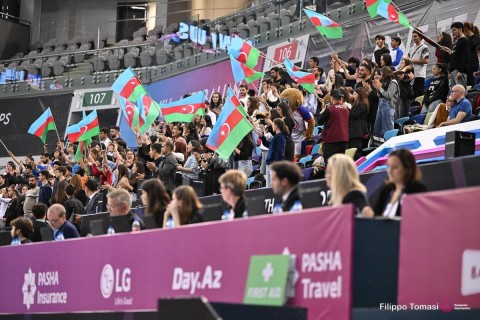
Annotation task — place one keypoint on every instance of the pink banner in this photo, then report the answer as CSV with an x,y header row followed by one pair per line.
x,y
440,250
131,271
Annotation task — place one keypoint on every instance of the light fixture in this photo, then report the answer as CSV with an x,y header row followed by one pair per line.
x,y
138,8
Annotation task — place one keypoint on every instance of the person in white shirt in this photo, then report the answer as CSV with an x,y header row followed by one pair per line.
x,y
420,58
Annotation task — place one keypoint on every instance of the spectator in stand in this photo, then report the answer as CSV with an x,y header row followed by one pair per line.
x,y
441,113
473,36
243,154
155,199
461,111
190,168
335,117
242,94
342,178
191,132
270,96
396,53
115,134
15,205
364,80
91,190
437,92
45,193
381,48
405,75
58,193
420,58
232,186
358,129
58,221
386,61
403,178
72,205
76,181
22,229
31,197
459,56
39,220
119,204
286,176
444,40
167,165
185,207
104,137
335,76
276,147
216,103
389,101
276,76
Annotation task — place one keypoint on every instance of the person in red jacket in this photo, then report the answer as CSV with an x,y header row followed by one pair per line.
x,y
335,117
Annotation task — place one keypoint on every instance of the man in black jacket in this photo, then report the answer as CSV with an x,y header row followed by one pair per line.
x,y
285,178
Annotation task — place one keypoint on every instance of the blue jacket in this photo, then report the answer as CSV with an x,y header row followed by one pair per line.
x,y
276,149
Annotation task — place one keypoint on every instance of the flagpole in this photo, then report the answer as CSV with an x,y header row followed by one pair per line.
x,y
427,39
254,87
3,144
328,44
58,136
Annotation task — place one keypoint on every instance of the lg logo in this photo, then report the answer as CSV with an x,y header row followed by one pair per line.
x,y
114,280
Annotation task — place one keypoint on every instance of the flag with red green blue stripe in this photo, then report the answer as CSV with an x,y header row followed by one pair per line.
x,y
372,7
324,25
236,102
131,113
87,128
242,72
129,86
387,10
244,52
149,111
184,110
42,125
306,79
231,127
81,149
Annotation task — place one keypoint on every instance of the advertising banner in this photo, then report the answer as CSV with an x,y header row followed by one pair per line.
x,y
440,251
131,271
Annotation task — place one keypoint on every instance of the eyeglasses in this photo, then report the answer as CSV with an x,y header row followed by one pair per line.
x,y
455,91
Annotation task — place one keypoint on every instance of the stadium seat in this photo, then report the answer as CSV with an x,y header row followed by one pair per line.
x,y
253,27
47,67
307,173
188,50
243,30
316,149
225,30
304,160
162,56
274,20
60,65
249,181
419,99
99,62
130,58
390,134
419,118
79,57
400,123
147,57
264,24
115,58
171,28
178,53
351,152
286,17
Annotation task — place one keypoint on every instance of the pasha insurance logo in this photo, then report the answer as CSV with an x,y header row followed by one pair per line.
x,y
116,280
29,289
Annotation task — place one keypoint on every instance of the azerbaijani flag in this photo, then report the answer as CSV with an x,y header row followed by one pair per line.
x,y
42,125
131,113
236,102
81,149
184,110
372,7
387,10
231,127
324,25
243,72
149,111
86,129
305,79
129,86
244,52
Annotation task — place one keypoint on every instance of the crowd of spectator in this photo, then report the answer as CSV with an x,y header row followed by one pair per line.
x,y
355,102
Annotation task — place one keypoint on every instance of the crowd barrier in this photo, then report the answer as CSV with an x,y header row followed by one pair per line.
x,y
131,271
454,173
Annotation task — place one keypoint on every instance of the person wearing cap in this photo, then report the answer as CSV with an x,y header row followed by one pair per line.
x,y
335,117
380,42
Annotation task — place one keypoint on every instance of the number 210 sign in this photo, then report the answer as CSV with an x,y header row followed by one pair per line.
x,y
287,51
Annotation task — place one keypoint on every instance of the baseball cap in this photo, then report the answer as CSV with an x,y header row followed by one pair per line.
x,y
336,93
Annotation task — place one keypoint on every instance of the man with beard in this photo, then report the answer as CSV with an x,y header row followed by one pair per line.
x,y
31,197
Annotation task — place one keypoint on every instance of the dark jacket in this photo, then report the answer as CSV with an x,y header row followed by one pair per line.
x,y
335,118
73,205
246,149
276,148
166,171
290,201
437,90
460,58
358,121
239,208
386,193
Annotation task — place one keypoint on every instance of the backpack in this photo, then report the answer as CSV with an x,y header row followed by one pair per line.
x,y
474,97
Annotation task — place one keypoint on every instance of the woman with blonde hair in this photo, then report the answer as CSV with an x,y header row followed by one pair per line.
x,y
184,208
343,180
